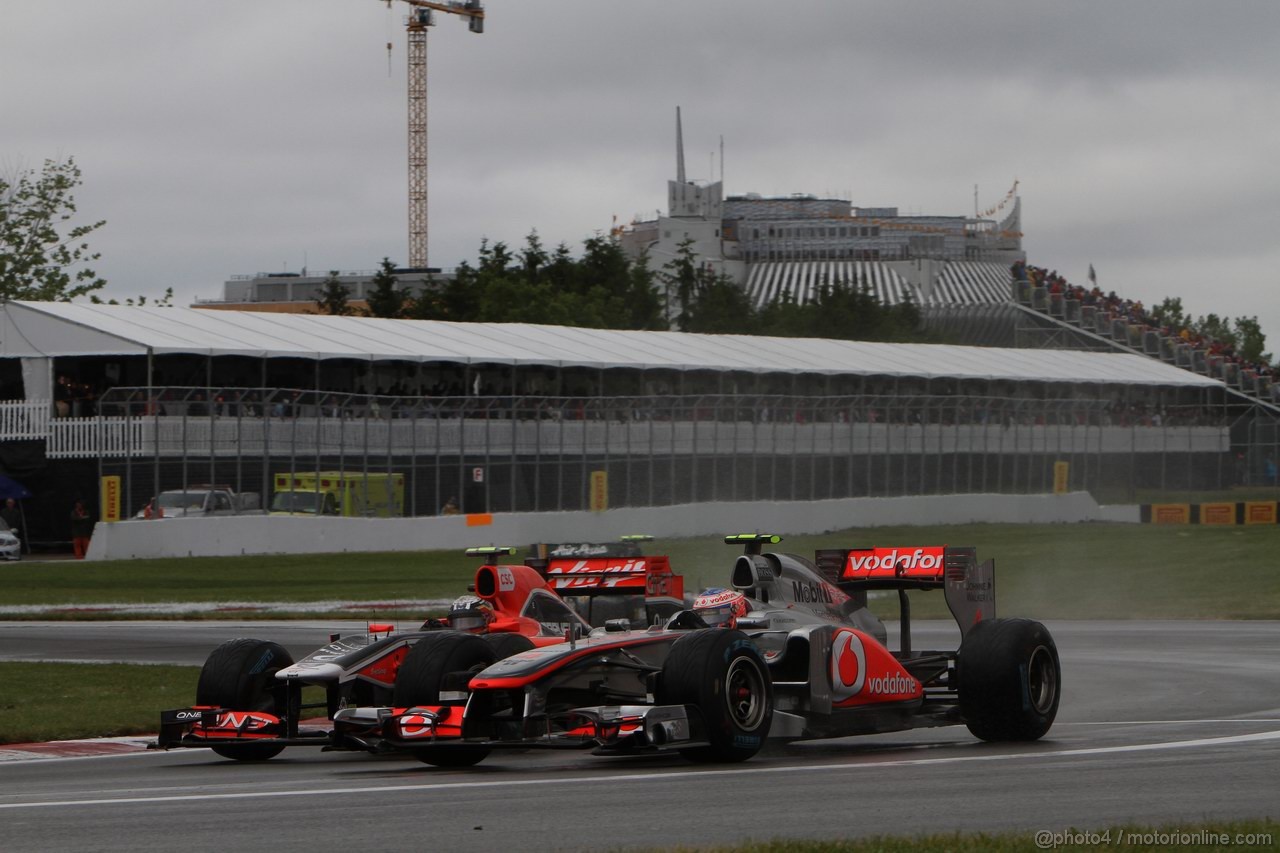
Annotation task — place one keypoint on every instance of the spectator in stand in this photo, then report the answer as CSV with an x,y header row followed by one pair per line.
x,y
1134,313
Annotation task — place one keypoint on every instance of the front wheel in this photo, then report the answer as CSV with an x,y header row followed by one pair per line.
x,y
1010,680
442,663
722,674
238,676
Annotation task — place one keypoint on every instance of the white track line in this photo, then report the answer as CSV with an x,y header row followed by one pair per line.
x,y
563,781
1173,722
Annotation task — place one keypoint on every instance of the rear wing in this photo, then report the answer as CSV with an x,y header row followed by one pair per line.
x,y
648,576
625,546
969,586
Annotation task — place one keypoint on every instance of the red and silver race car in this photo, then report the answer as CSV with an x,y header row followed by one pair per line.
x,y
796,654
249,695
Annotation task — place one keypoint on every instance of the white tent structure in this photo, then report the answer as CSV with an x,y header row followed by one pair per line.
x,y
37,332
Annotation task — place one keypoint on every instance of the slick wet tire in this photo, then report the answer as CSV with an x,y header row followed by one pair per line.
x,y
722,674
1010,680
239,675
422,676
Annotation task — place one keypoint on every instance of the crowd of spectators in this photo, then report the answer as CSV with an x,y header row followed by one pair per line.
x,y
1135,313
74,399
944,410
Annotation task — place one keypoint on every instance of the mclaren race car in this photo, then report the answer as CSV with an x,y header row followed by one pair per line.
x,y
794,653
249,695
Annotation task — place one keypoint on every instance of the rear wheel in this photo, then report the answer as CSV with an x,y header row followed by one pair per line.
x,y
443,662
239,676
723,675
1010,680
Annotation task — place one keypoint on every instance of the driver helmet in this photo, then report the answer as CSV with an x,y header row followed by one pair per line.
x,y
720,607
469,613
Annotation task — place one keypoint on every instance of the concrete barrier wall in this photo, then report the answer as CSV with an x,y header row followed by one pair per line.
x,y
235,536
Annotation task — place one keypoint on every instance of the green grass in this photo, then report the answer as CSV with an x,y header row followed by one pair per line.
x,y
339,577
1073,571
44,701
1233,495
60,701
1130,838
1051,571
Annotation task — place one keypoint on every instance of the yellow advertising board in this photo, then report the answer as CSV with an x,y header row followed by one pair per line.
x,y
1171,513
1061,477
111,498
1260,512
599,491
1218,513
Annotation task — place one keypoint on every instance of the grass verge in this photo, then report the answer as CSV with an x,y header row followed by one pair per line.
x,y
50,701
62,701
1227,835
1050,571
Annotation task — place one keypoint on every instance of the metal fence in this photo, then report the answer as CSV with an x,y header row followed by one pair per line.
x,y
501,454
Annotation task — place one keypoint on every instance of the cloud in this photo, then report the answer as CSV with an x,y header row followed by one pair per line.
x,y
249,136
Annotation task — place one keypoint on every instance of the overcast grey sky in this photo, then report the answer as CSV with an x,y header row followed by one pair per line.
x,y
255,135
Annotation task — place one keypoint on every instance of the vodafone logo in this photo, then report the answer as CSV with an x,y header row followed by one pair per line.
x,y
416,725
848,666
892,560
849,676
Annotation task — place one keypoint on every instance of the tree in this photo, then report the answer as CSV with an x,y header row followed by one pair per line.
x,y
604,289
1215,328
39,248
165,301
680,278
1251,342
385,299
719,307
334,297
1170,313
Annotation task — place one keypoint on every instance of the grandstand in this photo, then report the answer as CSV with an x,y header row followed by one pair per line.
x,y
512,417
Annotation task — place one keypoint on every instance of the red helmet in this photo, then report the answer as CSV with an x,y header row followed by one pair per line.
x,y
721,607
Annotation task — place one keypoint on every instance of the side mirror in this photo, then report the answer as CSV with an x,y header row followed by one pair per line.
x,y
753,621
615,625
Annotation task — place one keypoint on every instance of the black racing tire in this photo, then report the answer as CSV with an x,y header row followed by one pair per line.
x,y
722,674
422,675
505,645
1010,680
238,675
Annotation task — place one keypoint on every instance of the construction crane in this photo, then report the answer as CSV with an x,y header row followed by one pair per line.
x,y
421,16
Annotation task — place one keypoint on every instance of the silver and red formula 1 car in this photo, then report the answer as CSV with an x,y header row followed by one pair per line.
x,y
796,654
249,695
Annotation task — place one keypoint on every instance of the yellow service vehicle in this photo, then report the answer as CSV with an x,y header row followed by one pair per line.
x,y
347,493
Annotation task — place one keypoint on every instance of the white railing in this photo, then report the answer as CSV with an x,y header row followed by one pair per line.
x,y
25,418
224,437
680,432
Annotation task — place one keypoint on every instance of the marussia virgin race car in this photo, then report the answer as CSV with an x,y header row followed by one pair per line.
x,y
795,654
249,695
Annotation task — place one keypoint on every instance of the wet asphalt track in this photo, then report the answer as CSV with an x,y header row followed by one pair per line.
x,y
1160,722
